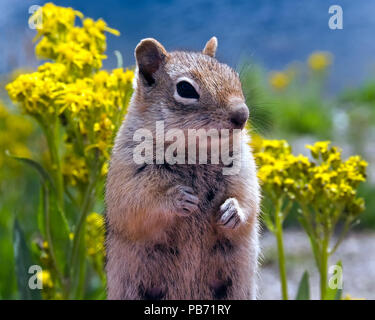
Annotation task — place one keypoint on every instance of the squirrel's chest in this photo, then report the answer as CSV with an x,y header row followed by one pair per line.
x,y
208,183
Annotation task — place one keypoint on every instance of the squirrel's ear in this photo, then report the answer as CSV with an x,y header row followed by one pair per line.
x,y
210,47
149,54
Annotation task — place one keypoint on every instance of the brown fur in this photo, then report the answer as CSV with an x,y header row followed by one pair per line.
x,y
153,252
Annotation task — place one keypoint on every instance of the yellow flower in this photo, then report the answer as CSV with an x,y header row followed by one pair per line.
x,y
45,277
95,234
45,245
75,169
289,181
104,169
300,159
357,162
279,80
82,48
37,90
320,148
277,180
332,187
346,189
319,61
101,77
334,158
323,176
263,172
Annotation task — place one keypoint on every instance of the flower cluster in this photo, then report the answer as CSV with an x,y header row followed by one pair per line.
x,y
88,102
37,91
95,107
80,48
280,172
95,234
334,182
325,183
75,169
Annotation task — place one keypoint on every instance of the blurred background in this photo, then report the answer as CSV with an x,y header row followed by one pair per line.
x,y
272,32
303,82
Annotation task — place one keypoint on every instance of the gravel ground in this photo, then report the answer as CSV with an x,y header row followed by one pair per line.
x,y
357,254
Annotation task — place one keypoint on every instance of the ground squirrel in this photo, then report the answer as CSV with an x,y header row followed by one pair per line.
x,y
181,231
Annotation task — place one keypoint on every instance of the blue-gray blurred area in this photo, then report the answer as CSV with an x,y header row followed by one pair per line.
x,y
271,32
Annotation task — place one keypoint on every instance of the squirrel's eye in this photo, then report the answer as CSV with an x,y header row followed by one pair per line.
x,y
186,90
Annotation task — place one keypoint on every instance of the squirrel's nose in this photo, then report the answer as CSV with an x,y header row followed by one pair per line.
x,y
239,116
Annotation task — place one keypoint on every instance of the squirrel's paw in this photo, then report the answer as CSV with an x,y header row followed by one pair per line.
x,y
184,199
230,215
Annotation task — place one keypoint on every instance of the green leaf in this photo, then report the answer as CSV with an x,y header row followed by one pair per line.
x,y
334,294
47,180
303,292
52,221
35,165
79,268
98,294
23,262
338,294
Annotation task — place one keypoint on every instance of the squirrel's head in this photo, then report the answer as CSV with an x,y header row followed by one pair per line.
x,y
188,89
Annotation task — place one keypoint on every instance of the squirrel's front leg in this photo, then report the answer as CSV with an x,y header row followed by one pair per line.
x,y
231,214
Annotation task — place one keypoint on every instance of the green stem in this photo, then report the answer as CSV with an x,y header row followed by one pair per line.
x,y
88,202
280,250
76,267
51,134
324,268
49,237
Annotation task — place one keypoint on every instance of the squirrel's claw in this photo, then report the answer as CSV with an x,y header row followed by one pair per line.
x,y
184,199
231,214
